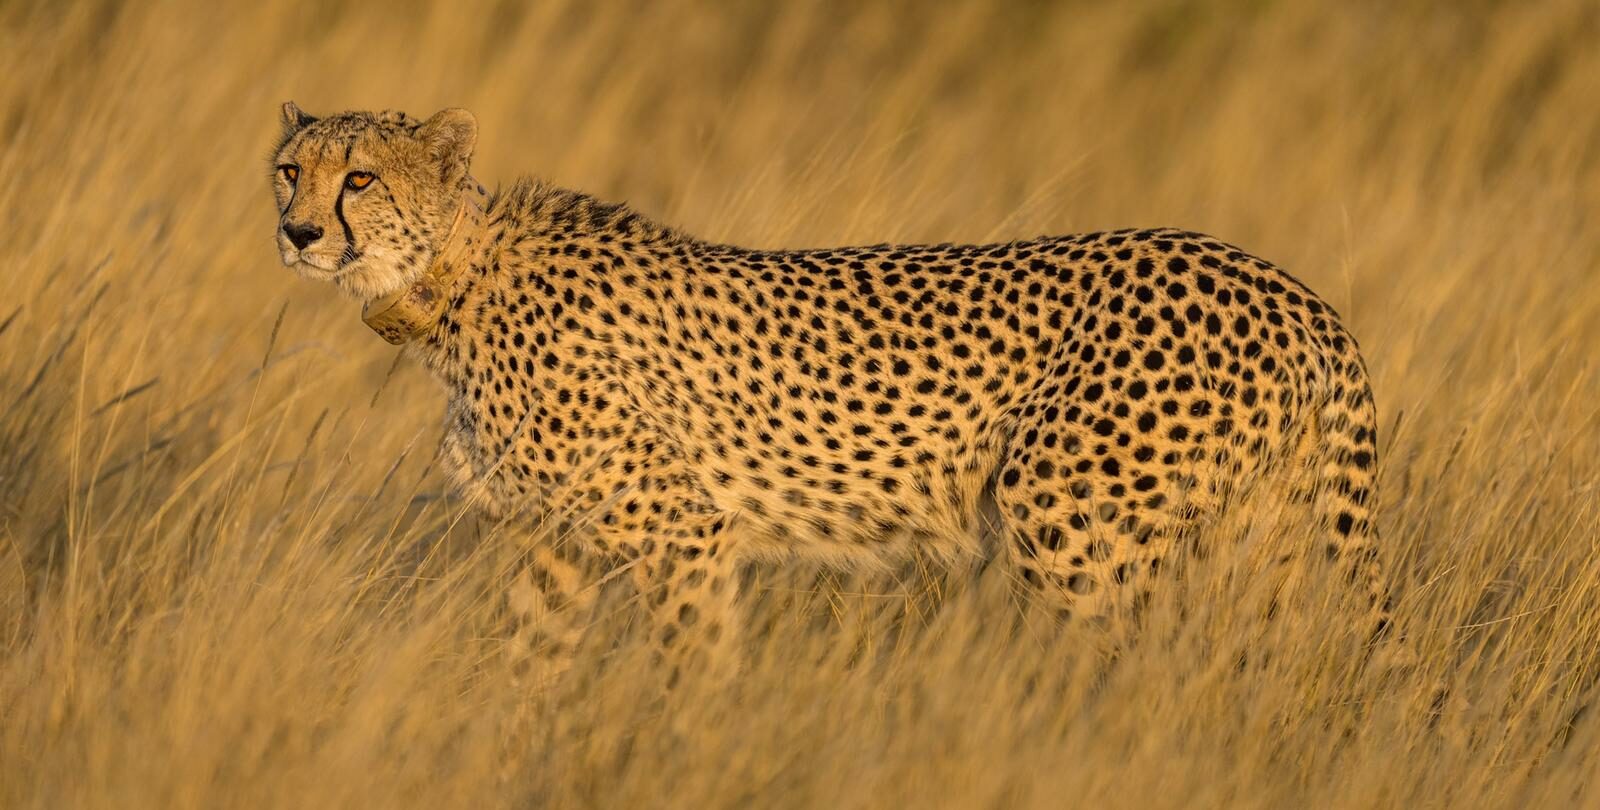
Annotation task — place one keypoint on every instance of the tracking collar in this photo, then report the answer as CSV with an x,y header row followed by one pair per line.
x,y
407,314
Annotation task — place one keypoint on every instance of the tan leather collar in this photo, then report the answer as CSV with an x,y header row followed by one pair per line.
x,y
407,314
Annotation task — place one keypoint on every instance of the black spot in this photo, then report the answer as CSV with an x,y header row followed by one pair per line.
x,y
1051,537
1345,523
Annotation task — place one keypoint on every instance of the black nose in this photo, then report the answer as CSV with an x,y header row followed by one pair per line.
x,y
302,234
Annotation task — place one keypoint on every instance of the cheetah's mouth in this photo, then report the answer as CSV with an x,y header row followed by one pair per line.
x,y
320,266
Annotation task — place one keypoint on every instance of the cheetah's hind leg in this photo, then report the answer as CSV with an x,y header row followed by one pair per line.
x,y
1342,444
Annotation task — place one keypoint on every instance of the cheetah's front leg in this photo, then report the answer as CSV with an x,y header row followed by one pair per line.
x,y
692,589
550,603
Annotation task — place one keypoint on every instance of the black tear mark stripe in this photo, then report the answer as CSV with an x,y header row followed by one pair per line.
x,y
294,193
349,237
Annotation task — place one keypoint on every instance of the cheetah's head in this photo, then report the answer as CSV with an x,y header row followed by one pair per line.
x,y
365,199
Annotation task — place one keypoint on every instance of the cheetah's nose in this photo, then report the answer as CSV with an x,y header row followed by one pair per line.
x,y
301,234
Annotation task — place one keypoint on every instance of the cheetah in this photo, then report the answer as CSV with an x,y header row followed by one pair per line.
x,y
684,408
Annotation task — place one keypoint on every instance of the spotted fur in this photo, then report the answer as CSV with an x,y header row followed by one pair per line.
x,y
682,407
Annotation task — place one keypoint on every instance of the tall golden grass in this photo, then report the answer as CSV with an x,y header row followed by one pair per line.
x,y
229,576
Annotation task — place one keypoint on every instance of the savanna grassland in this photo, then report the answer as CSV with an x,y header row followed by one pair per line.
x,y
230,575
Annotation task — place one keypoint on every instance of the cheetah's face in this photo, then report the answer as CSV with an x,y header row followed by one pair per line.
x,y
366,199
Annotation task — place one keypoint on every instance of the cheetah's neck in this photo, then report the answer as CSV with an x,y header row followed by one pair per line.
x,y
408,313
544,252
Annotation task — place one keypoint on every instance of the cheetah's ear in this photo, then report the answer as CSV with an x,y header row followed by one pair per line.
x,y
449,137
294,118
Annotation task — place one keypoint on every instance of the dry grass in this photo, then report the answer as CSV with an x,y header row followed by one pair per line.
x,y
227,578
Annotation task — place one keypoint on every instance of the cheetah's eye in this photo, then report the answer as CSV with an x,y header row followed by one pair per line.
x,y
355,181
290,172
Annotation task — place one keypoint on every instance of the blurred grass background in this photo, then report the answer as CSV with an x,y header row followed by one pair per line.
x,y
228,577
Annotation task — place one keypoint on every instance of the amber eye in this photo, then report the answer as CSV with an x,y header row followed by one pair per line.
x,y
290,171
357,180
